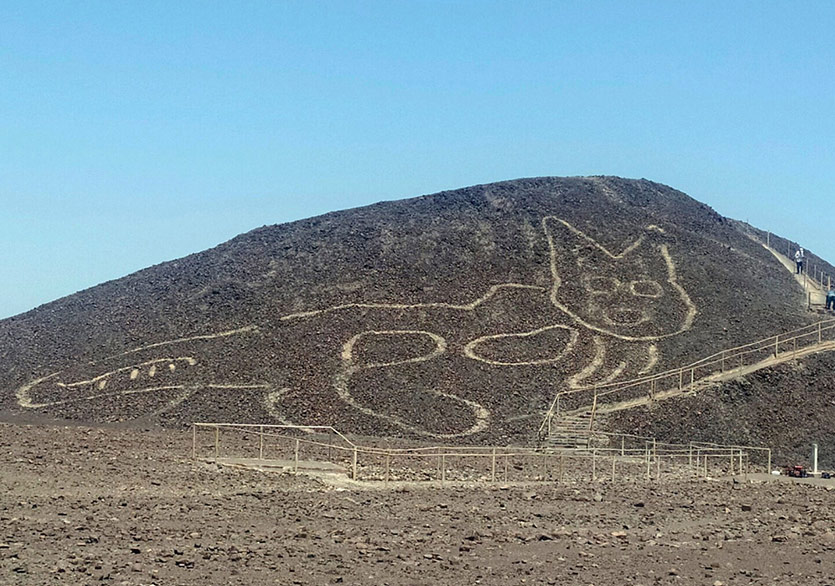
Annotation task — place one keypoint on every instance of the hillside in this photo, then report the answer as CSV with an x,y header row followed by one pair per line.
x,y
453,316
788,407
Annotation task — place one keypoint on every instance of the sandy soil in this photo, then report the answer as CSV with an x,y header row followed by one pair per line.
x,y
81,506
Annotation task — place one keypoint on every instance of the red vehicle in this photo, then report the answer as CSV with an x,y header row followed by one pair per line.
x,y
796,471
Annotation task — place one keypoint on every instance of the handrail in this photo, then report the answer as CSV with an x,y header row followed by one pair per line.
x,y
722,357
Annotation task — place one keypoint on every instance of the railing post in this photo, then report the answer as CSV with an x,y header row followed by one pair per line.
x,y
776,345
493,470
443,468
354,467
261,442
217,442
680,379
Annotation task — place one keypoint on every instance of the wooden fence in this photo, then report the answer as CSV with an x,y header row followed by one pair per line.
x,y
298,449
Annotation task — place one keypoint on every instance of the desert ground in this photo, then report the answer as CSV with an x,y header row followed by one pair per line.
x,y
82,505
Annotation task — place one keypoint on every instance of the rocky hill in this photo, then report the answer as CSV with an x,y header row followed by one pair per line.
x,y
453,316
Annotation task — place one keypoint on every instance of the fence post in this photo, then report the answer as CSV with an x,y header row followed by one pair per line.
x,y
692,376
217,443
614,459
296,458
443,468
657,459
776,345
769,461
388,465
493,471
354,467
261,442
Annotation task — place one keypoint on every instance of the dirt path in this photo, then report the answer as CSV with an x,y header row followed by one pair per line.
x,y
810,287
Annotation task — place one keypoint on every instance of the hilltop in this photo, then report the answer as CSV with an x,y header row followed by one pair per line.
x,y
453,316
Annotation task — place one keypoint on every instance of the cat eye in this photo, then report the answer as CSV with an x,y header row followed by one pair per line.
x,y
602,284
646,288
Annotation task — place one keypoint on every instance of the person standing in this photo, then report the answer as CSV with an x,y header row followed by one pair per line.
x,y
799,257
830,298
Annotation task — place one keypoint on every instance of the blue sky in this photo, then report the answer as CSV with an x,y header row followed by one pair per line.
x,y
138,132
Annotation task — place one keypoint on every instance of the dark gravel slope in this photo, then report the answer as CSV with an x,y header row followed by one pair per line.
x,y
455,315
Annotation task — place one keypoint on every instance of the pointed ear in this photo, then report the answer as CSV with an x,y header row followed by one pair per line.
x,y
558,230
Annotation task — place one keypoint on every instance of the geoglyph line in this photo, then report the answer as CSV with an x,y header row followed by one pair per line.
x,y
690,314
440,347
133,368
469,349
464,307
244,330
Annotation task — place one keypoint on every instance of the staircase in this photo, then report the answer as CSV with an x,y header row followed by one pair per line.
x,y
575,431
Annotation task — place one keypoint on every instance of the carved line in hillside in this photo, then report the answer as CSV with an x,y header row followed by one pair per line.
x,y
672,278
342,383
480,414
589,370
244,330
469,349
440,347
652,360
271,402
103,378
465,307
24,398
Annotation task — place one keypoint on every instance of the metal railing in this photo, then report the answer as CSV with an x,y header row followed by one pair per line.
x,y
754,355
626,457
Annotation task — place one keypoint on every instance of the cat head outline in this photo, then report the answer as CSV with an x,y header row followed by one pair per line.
x,y
633,295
